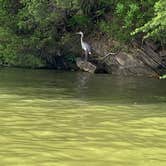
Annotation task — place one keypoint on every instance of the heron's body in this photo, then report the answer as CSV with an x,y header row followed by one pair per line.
x,y
85,46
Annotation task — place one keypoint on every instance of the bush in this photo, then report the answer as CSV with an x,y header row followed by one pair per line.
x,y
156,27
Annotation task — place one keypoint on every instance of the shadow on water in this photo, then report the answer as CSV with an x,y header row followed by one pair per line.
x,y
83,86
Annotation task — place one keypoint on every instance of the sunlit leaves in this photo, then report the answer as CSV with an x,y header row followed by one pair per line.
x,y
156,27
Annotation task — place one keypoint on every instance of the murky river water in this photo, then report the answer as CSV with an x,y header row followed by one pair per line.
x,y
50,118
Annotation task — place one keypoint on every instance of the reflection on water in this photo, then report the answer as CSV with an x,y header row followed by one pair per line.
x,y
77,119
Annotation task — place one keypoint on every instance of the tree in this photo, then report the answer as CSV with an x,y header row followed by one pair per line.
x,y
156,27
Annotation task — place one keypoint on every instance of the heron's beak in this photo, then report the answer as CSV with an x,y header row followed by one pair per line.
x,y
77,33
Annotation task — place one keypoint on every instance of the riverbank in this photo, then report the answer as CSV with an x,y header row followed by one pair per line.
x,y
136,58
43,35
109,56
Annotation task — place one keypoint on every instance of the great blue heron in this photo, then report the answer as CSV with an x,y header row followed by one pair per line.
x,y
85,46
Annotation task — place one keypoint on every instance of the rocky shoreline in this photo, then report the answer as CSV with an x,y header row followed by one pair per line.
x,y
140,59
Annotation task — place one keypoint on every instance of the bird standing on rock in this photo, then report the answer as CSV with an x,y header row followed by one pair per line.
x,y
85,46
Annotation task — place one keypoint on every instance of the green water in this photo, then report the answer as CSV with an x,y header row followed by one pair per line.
x,y
50,118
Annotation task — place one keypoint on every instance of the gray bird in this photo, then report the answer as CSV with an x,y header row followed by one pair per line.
x,y
85,46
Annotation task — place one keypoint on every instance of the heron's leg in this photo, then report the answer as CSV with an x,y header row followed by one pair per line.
x,y
86,55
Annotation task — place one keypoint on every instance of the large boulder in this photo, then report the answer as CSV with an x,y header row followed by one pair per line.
x,y
141,59
127,64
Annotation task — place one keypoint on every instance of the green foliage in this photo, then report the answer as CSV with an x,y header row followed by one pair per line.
x,y
33,24
80,21
89,6
156,27
127,15
162,77
34,32
29,61
8,47
105,26
10,54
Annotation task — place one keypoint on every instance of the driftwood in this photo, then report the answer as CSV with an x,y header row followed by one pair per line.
x,y
85,65
109,54
103,58
150,57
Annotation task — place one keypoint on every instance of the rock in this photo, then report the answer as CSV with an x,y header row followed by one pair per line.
x,y
126,64
162,53
151,44
122,58
141,58
85,65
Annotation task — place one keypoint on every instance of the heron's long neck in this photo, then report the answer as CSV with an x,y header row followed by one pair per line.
x,y
82,38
